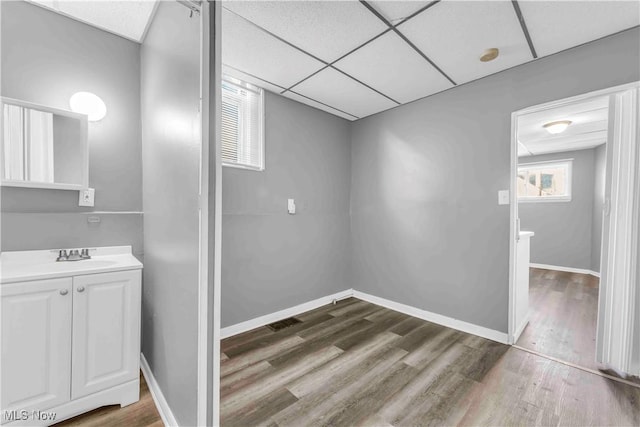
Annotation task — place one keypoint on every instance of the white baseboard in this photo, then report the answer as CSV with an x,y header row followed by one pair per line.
x,y
248,325
392,305
520,328
161,403
449,322
567,269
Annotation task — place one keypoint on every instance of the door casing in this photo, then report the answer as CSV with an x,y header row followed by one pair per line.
x,y
620,114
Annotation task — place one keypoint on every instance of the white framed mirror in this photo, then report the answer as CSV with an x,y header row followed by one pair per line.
x,y
43,147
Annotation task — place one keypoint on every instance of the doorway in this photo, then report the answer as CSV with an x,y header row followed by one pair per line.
x,y
575,162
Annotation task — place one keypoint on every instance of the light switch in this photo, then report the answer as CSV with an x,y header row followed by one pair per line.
x,y
503,197
291,206
87,197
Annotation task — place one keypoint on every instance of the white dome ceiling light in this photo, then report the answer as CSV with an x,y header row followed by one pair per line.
x,y
89,104
557,127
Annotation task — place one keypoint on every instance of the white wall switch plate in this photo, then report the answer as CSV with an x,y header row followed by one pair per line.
x,y
87,197
503,197
291,206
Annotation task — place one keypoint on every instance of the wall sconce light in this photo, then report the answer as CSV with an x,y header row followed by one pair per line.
x,y
89,104
557,127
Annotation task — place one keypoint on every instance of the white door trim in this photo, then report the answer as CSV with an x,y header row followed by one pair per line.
x,y
514,232
618,294
214,240
203,218
513,197
208,382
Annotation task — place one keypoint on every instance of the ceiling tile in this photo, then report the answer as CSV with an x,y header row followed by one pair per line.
x,y
307,101
326,29
584,113
391,66
125,18
226,70
588,128
522,150
564,144
559,25
339,91
248,49
396,11
581,127
454,34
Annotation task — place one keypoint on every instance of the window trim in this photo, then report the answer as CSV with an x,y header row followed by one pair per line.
x,y
568,163
261,124
245,167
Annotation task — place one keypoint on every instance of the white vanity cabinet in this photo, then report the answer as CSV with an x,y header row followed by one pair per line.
x,y
36,344
106,331
70,344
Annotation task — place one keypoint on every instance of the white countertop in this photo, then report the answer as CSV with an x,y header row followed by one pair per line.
x,y
526,234
21,266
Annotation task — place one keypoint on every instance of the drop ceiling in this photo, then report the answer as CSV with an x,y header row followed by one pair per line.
x,y
588,128
357,58
126,18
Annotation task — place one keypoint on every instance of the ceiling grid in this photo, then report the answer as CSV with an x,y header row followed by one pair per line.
x,y
359,80
327,64
403,37
355,58
525,30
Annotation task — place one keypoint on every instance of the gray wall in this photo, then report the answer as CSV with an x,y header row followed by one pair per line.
x,y
272,260
600,161
46,58
563,229
171,157
427,229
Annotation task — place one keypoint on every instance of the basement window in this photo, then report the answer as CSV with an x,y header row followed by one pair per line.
x,y
545,181
242,125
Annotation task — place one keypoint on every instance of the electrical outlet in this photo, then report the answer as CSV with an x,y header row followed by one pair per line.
x,y
87,197
291,206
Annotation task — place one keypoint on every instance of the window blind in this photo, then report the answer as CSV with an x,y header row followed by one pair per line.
x,y
242,125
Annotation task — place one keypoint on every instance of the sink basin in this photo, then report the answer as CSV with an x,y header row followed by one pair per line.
x,y
72,265
21,266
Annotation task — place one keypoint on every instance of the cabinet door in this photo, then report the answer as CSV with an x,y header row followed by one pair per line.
x,y
106,331
36,344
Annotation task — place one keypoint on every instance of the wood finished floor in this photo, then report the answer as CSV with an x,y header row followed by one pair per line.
x,y
563,316
143,413
355,363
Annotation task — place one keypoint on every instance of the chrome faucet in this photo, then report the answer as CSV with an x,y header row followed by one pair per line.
x,y
73,255
62,255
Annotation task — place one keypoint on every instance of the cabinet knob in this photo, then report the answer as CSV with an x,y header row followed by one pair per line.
x,y
63,291
80,288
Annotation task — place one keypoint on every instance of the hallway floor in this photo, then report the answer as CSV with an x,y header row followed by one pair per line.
x,y
356,363
563,316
